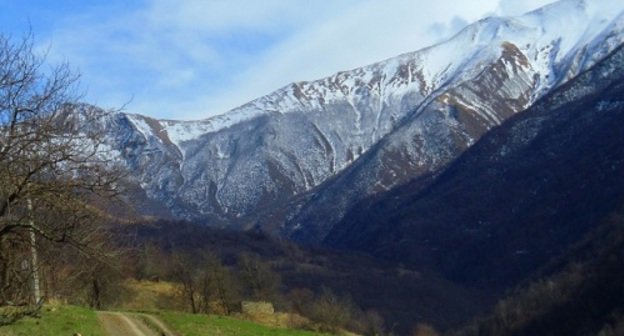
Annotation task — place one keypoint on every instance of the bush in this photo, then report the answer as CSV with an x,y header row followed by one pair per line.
x,y
330,311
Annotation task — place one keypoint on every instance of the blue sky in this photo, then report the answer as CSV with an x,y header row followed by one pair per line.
x,y
192,59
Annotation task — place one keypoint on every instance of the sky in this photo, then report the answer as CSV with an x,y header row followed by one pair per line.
x,y
193,59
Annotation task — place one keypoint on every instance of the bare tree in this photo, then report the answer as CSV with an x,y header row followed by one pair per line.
x,y
217,286
205,285
331,311
48,158
259,280
185,275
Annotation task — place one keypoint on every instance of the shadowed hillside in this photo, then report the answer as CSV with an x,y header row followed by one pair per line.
x,y
517,199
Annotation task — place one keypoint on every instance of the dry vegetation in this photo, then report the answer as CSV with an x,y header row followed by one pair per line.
x,y
329,290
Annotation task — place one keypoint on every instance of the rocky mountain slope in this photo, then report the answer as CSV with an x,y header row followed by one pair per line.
x,y
326,144
442,129
520,197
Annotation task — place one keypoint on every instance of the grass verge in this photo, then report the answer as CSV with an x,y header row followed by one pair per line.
x,y
197,324
56,320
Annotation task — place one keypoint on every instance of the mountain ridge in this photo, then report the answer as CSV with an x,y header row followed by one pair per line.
x,y
226,168
519,197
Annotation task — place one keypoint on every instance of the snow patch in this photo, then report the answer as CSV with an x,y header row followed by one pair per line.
x,y
141,125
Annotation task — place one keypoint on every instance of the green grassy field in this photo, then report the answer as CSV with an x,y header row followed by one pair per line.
x,y
67,320
54,321
199,325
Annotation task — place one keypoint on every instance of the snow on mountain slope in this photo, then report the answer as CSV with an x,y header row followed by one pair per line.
x,y
519,197
460,115
549,37
418,111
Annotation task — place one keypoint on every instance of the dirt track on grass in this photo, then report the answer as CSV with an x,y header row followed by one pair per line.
x,y
125,324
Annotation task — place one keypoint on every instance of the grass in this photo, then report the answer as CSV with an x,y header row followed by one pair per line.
x,y
196,325
68,320
57,320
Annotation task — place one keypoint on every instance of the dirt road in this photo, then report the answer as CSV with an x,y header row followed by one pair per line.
x,y
125,324
164,330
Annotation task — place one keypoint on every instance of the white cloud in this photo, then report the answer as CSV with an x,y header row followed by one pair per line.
x,y
371,32
193,59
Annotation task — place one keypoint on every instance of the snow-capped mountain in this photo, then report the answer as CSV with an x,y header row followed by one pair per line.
x,y
333,141
516,200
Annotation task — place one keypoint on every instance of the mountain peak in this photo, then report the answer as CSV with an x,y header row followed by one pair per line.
x,y
565,25
417,110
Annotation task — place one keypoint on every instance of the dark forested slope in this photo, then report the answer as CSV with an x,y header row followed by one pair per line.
x,y
516,199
